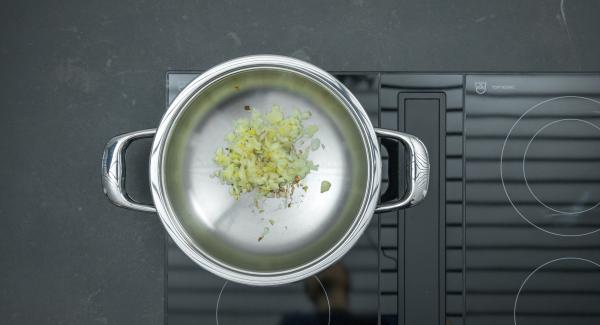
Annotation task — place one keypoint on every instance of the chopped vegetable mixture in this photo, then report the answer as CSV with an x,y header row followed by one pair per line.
x,y
268,154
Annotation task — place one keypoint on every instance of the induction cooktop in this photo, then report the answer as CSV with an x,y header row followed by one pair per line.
x,y
508,234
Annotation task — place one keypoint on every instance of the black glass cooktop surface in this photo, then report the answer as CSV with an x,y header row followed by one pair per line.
x,y
508,234
532,154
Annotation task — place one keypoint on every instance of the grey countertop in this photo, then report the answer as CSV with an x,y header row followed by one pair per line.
x,y
75,73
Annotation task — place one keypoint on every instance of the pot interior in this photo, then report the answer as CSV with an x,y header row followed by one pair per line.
x,y
226,230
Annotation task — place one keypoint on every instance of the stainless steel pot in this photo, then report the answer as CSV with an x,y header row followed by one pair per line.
x,y
220,233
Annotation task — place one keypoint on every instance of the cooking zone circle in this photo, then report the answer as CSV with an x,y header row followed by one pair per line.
x,y
546,161
246,288
572,298
583,124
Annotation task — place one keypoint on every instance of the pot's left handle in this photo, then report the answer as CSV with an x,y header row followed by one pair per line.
x,y
113,170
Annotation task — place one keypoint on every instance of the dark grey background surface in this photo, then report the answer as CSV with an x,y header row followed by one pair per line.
x,y
75,73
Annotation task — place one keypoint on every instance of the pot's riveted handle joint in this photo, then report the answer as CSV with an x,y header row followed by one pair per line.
x,y
113,170
418,170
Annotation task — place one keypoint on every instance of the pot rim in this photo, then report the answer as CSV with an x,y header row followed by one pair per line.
x,y
178,232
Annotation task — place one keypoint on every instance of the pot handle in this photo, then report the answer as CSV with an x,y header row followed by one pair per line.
x,y
113,170
418,167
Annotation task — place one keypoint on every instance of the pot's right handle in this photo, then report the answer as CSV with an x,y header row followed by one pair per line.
x,y
418,167
113,170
